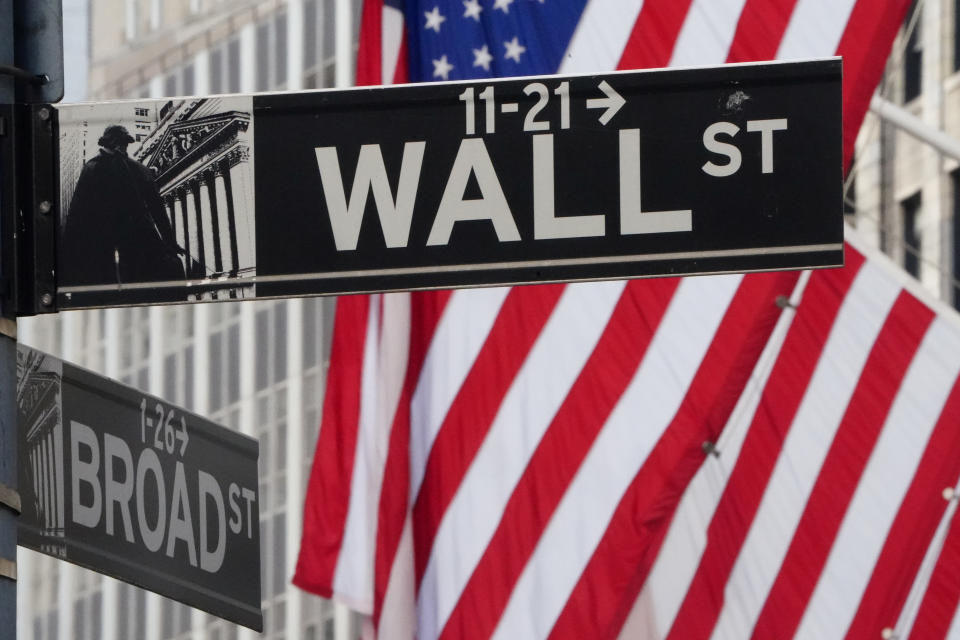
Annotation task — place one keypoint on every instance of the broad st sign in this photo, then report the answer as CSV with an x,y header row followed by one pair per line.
x,y
561,178
131,486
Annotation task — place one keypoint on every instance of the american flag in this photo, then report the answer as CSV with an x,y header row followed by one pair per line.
x,y
766,456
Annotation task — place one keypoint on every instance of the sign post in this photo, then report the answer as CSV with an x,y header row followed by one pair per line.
x,y
544,179
133,487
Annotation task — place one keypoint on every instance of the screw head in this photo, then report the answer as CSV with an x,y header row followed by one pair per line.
x,y
45,207
44,113
46,299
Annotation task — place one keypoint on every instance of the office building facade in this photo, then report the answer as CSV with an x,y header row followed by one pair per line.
x,y
254,366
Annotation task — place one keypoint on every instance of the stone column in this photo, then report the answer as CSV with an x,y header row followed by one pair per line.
x,y
182,196
198,210
210,180
231,216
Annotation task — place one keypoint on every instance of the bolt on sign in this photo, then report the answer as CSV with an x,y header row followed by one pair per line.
x,y
131,486
557,178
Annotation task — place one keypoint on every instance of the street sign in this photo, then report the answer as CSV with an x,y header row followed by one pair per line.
x,y
128,485
560,178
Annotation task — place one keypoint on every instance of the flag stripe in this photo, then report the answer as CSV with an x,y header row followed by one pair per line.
x,y
876,23
760,30
426,311
517,327
328,494
619,566
707,33
933,376
537,392
453,350
676,562
842,471
741,497
386,350
654,34
939,605
600,37
559,454
616,455
805,447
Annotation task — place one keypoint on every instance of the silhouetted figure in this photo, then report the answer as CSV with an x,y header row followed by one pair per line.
x,y
117,230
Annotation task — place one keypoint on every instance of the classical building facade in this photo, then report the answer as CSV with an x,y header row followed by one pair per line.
x,y
255,366
904,194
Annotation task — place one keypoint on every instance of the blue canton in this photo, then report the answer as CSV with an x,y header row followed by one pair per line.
x,y
467,39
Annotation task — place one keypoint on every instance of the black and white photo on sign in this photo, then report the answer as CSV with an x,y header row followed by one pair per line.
x,y
157,199
40,420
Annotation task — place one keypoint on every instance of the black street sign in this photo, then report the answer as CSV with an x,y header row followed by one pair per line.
x,y
559,178
133,487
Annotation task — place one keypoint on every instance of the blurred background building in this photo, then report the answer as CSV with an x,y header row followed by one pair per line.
x,y
257,367
903,193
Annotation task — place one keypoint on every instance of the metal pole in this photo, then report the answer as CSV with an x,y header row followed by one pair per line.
x,y
9,498
911,124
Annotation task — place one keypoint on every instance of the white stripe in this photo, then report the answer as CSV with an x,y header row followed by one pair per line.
x,y
670,576
454,348
384,368
397,620
640,417
885,480
391,30
852,336
815,29
601,36
552,366
707,33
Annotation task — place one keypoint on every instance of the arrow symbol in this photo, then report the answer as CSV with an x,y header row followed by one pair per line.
x,y
182,435
611,103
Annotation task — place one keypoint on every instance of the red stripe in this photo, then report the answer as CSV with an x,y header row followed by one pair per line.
x,y
369,61
524,313
939,604
605,593
913,529
865,47
843,466
654,34
781,398
760,30
328,491
401,74
426,309
559,454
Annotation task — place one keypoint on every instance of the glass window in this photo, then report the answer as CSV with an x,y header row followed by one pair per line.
x,y
913,56
216,71
188,80
280,337
233,66
955,180
216,371
310,34
280,49
911,237
278,561
956,35
233,364
170,85
263,57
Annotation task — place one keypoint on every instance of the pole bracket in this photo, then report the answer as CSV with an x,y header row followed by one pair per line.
x,y
10,498
8,568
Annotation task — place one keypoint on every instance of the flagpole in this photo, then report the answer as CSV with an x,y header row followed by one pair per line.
x,y
914,126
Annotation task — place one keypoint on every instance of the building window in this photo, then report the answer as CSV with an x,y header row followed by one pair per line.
x,y
216,71
272,53
912,240
913,56
956,35
955,180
